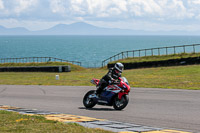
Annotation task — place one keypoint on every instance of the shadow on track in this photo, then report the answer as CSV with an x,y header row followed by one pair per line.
x,y
98,109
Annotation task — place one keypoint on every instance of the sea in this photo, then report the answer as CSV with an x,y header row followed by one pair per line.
x,y
89,50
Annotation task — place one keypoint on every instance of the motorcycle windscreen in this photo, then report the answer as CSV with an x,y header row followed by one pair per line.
x,y
125,80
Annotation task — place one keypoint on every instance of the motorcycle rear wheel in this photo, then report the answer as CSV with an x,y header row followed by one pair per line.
x,y
120,104
89,102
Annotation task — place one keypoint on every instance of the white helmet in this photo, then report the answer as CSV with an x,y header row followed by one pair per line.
x,y
119,66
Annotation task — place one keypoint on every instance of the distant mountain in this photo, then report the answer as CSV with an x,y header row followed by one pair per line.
x,y
81,28
14,31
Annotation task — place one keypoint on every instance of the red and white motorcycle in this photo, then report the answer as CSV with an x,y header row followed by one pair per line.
x,y
115,94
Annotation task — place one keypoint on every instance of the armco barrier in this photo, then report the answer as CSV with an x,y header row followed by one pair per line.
x,y
36,69
171,62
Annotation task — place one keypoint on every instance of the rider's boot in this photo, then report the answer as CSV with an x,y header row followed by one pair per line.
x,y
98,91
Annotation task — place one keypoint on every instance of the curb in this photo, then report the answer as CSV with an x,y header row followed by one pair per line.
x,y
90,122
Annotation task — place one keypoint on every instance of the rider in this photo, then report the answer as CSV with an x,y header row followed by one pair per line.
x,y
113,74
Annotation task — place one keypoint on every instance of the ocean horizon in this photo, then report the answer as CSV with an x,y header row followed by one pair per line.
x,y
90,50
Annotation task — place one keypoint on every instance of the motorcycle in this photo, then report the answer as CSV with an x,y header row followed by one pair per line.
x,y
115,94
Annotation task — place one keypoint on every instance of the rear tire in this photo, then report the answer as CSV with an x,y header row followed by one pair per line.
x,y
89,102
120,104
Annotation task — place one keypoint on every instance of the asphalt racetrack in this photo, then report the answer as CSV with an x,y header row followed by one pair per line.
x,y
162,108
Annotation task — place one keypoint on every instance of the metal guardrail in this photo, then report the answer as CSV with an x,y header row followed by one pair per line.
x,y
36,60
153,51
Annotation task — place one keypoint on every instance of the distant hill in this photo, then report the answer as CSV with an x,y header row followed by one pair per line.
x,y
14,31
81,28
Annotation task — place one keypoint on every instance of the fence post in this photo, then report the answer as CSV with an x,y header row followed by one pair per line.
x,y
174,50
139,53
193,48
145,52
152,52
159,51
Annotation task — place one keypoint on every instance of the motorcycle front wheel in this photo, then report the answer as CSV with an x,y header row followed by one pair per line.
x,y
89,102
120,104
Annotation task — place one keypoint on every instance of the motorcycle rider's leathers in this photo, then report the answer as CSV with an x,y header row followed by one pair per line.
x,y
107,79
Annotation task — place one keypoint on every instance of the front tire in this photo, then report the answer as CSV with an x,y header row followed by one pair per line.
x,y
89,102
120,104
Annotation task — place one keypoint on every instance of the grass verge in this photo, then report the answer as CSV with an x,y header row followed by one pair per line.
x,y
157,58
177,77
13,122
73,67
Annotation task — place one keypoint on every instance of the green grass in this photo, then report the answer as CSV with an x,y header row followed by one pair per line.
x,y
13,122
177,77
73,67
157,58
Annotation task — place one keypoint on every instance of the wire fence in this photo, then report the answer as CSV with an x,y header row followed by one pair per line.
x,y
194,48
36,60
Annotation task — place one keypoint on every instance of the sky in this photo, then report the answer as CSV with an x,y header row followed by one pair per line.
x,y
149,15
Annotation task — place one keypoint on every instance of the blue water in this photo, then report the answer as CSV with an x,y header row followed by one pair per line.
x,y
90,50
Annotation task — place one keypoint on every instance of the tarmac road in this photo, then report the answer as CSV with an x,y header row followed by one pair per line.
x,y
162,108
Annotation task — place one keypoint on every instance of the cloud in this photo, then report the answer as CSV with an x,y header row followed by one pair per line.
x,y
102,9
143,7
88,8
149,11
24,5
126,9
14,8
194,8
1,5
195,2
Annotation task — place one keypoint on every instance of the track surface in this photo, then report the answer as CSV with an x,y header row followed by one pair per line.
x,y
164,108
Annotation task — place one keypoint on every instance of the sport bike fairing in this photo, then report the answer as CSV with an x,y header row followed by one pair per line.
x,y
109,92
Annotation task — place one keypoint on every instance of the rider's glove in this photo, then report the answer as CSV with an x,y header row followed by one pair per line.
x,y
111,81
